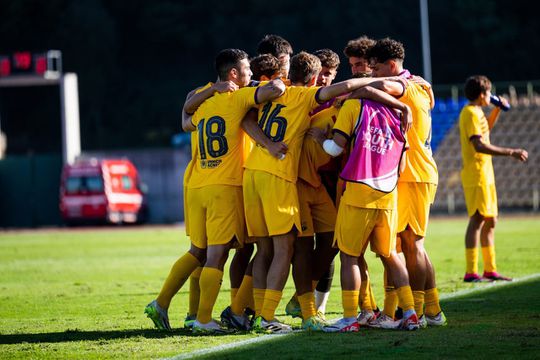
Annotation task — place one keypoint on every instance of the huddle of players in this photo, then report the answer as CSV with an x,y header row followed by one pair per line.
x,y
284,184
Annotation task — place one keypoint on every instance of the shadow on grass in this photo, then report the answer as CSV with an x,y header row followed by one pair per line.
x,y
81,335
499,322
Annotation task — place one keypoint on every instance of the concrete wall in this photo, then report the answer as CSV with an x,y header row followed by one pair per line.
x,y
162,170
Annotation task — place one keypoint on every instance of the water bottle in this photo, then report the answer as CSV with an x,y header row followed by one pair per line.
x,y
495,100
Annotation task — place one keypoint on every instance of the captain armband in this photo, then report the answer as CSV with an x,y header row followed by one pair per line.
x,y
332,148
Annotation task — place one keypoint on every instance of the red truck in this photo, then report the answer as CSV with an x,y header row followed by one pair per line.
x,y
105,190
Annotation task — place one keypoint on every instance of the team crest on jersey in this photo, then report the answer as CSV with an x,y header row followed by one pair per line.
x,y
210,164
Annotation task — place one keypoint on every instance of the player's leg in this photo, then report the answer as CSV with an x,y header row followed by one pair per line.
x,y
301,270
366,297
261,264
383,243
353,228
472,239
237,315
278,272
194,297
238,267
210,284
157,310
487,241
322,291
323,269
415,256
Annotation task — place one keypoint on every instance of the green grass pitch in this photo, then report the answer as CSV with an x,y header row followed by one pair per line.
x,y
81,294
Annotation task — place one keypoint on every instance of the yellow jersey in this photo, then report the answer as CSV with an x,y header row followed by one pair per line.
x,y
419,163
477,167
284,119
313,156
357,194
194,140
220,139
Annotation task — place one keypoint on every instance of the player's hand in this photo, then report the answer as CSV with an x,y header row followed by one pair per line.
x,y
505,104
225,86
318,134
520,154
406,119
420,81
277,149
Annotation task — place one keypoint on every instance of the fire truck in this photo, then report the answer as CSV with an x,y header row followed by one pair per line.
x,y
102,190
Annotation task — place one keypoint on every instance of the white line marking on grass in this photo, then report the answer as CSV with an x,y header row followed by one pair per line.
x,y
228,346
480,288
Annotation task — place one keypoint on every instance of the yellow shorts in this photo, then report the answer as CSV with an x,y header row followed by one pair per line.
x,y
356,226
482,199
271,204
414,202
216,215
317,210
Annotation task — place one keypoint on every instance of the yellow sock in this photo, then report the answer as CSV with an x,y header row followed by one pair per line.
x,y
258,297
471,258
418,297
432,302
405,296
390,301
488,253
194,291
210,284
271,302
349,299
307,304
372,297
365,296
234,291
180,272
244,295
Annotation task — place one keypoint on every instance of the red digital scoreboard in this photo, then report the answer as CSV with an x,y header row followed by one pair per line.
x,y
21,63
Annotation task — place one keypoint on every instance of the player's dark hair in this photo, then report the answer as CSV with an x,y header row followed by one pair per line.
x,y
476,85
303,67
386,49
275,45
265,64
228,59
328,58
359,47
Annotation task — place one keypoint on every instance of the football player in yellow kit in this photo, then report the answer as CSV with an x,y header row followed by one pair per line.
x,y
417,184
214,196
478,179
367,214
356,52
317,209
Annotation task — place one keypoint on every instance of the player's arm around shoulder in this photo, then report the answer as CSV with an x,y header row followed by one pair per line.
x,y
331,91
395,86
270,91
372,93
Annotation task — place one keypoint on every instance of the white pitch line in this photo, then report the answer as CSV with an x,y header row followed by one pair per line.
x,y
482,287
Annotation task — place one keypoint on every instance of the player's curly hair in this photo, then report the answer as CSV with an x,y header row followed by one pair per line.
x,y
303,67
328,58
265,64
359,47
227,59
275,45
386,49
476,85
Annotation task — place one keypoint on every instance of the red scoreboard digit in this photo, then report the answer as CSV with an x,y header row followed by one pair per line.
x,y
28,63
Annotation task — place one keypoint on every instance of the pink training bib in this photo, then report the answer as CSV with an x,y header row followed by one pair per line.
x,y
376,148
